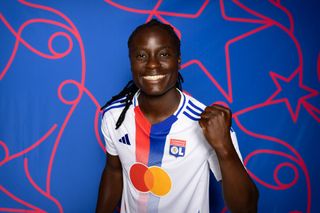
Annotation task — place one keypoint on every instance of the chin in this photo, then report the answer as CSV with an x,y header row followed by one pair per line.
x,y
156,91
153,92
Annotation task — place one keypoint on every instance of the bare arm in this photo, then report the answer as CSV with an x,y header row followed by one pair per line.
x,y
240,193
110,185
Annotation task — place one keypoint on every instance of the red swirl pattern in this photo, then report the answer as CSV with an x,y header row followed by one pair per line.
x,y
262,21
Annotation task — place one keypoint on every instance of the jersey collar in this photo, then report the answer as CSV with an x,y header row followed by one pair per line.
x,y
178,110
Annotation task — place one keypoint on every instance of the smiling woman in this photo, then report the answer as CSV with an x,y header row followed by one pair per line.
x,y
160,155
154,62
151,61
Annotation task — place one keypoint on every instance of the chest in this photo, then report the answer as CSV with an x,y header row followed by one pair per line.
x,y
163,146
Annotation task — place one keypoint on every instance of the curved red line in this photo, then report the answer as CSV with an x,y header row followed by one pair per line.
x,y
6,151
274,76
81,88
55,147
154,10
83,71
301,162
247,34
83,60
208,74
227,51
17,210
252,12
127,8
268,151
29,22
67,36
94,100
42,139
186,15
26,168
96,129
263,183
313,108
74,31
13,54
177,31
38,6
166,13
237,19
269,138
283,28
20,39
293,113
312,111
265,151
286,11
12,196
292,182
280,185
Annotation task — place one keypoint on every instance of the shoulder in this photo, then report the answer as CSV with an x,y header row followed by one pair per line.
x,y
114,108
193,108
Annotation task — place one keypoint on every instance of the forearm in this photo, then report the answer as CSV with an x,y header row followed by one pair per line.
x,y
240,193
110,190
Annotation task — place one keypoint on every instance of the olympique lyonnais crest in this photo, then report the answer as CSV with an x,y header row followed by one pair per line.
x,y
177,147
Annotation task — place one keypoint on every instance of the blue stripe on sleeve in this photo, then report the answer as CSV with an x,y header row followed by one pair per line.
x,y
112,107
191,117
193,112
196,107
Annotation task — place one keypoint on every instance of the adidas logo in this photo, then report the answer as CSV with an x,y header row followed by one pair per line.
x,y
125,139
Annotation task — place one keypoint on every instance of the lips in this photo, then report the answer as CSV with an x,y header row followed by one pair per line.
x,y
153,77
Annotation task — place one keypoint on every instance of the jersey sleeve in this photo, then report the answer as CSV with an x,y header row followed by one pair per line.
x,y
213,159
106,130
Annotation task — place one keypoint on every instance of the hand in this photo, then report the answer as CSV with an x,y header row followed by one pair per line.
x,y
216,122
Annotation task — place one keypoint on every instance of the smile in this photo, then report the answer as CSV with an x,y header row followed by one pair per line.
x,y
153,77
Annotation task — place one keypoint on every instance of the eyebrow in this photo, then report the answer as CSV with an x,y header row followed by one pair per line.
x,y
135,48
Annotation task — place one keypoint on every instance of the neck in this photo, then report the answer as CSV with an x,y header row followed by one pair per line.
x,y
158,108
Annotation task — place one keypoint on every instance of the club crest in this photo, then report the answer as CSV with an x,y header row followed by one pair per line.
x,y
177,147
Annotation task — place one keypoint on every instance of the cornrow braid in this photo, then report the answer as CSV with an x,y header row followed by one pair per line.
x,y
128,92
179,82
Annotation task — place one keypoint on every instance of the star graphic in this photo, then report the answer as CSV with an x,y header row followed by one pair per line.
x,y
292,92
214,69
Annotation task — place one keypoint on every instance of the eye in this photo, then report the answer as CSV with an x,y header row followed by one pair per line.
x,y
164,54
141,56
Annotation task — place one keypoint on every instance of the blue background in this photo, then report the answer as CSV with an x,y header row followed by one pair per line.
x,y
61,60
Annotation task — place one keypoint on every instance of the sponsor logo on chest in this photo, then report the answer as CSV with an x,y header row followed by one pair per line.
x,y
177,147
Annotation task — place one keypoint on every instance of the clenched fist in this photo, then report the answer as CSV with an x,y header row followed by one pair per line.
x,y
216,122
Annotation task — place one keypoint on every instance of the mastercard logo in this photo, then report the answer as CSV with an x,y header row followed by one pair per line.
x,y
150,179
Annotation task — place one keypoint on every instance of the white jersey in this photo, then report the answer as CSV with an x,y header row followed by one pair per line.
x,y
165,165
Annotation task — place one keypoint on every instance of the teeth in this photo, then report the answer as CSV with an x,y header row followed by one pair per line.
x,y
153,77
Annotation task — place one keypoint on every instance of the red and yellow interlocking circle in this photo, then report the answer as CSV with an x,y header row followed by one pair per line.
x,y
150,179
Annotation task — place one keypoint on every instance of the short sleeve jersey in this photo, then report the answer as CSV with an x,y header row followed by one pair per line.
x,y
165,165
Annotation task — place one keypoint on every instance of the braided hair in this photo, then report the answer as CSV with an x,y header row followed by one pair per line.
x,y
127,93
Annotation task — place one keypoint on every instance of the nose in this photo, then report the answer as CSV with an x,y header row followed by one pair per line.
x,y
153,63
